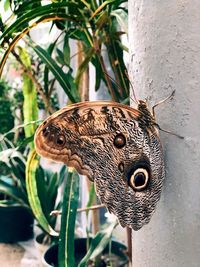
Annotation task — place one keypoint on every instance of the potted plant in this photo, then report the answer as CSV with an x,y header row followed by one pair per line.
x,y
16,217
113,254
63,252
14,197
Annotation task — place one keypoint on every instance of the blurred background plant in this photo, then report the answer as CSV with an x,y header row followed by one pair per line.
x,y
55,53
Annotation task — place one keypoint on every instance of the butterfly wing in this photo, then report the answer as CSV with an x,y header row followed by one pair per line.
x,y
105,141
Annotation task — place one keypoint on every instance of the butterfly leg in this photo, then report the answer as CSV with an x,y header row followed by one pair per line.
x,y
162,101
166,131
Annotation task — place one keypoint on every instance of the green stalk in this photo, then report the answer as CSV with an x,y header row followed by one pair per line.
x,y
70,204
30,108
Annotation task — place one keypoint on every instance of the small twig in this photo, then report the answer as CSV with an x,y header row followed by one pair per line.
x,y
95,207
129,242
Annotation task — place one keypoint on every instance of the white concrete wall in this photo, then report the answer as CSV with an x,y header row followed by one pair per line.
x,y
164,47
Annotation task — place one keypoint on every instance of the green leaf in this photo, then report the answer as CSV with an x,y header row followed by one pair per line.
x,y
31,185
60,57
91,199
81,35
84,65
8,203
13,130
122,18
52,191
13,192
70,204
98,76
57,72
8,154
18,169
30,108
37,12
115,54
42,191
66,50
6,5
103,20
126,101
62,174
98,244
26,141
117,4
46,70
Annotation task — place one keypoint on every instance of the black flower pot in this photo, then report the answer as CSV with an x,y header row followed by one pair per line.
x,y
16,224
120,259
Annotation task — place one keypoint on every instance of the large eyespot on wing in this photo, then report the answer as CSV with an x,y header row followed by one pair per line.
x,y
139,174
139,179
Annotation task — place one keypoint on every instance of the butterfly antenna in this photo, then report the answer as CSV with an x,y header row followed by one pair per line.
x,y
133,91
134,99
169,132
118,85
162,101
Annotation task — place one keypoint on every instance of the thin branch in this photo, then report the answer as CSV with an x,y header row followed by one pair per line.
x,y
129,242
95,207
84,80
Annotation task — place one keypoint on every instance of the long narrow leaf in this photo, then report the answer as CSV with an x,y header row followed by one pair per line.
x,y
57,72
70,204
25,31
22,21
13,130
31,167
13,192
46,70
91,198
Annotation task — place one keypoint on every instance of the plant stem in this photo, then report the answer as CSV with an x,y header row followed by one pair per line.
x,y
98,53
95,207
84,81
30,74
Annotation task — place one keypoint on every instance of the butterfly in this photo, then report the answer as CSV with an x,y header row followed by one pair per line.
x,y
117,147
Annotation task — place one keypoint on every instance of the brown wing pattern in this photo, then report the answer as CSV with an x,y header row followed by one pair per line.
x,y
104,140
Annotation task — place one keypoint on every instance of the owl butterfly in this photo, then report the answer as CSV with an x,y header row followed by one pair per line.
x,y
115,146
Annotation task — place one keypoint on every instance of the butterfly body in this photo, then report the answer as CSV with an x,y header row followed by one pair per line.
x,y
117,147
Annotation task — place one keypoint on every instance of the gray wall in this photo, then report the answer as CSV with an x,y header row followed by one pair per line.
x,y
164,46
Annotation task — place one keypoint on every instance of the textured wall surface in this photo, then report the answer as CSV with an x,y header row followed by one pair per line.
x,y
164,47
